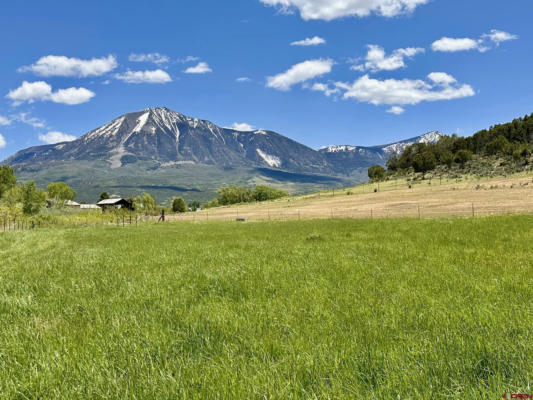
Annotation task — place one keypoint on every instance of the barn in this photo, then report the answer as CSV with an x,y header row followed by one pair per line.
x,y
116,203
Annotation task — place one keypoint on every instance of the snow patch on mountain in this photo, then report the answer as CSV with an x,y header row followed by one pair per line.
x,y
273,161
107,130
337,149
141,122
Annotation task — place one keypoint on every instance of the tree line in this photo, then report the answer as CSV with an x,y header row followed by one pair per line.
x,y
511,140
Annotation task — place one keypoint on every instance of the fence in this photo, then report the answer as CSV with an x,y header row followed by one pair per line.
x,y
260,213
396,210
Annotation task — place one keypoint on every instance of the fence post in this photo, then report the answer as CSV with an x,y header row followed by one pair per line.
x,y
371,213
473,211
419,215
123,225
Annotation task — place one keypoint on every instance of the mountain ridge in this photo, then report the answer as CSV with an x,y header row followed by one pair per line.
x,y
158,147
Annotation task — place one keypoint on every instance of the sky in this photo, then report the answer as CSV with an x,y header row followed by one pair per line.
x,y
322,72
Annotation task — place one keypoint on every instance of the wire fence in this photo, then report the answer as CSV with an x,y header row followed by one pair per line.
x,y
17,222
398,210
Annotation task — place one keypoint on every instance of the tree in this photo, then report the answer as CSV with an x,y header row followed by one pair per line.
x,y
33,199
179,205
446,158
500,145
148,203
234,195
7,179
463,156
194,205
264,193
424,162
60,192
377,173
393,163
13,196
104,196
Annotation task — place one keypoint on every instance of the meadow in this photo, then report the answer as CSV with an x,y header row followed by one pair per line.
x,y
317,309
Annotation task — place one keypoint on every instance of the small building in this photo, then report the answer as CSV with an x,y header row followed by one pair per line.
x,y
89,207
72,204
117,203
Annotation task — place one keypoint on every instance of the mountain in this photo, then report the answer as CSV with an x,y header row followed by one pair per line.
x,y
169,154
167,137
345,158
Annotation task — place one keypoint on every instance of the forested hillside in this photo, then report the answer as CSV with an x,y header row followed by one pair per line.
x,y
512,141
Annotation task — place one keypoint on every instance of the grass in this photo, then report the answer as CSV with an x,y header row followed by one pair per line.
x,y
449,198
330,309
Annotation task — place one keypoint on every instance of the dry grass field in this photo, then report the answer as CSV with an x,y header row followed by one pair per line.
x,y
463,197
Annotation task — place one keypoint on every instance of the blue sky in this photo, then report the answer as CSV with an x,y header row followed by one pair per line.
x,y
372,72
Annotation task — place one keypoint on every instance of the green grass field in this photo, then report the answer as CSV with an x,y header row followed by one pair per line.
x,y
383,309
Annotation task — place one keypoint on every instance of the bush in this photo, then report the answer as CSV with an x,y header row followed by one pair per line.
x,y
377,173
463,156
264,193
179,205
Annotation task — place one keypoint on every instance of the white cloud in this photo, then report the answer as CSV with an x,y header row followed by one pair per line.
x,y
156,76
242,126
4,121
56,137
314,41
483,43
155,58
65,66
2,141
326,89
450,44
27,119
243,79
397,110
498,37
377,60
300,73
42,91
188,59
439,86
200,68
441,78
72,96
30,92
332,9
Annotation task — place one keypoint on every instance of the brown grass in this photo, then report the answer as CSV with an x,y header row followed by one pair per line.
x,y
394,199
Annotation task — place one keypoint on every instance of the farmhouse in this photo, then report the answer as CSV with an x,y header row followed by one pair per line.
x,y
89,207
117,203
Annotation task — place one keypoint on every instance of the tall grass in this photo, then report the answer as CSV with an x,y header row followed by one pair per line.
x,y
381,309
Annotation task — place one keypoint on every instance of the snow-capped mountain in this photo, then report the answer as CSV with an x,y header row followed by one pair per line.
x,y
169,154
345,158
165,136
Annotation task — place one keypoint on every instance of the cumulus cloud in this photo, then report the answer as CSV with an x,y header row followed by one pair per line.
x,y
243,79
242,126
300,73
396,110
155,58
454,44
2,141
324,88
65,66
314,41
56,137
438,86
483,43
332,9
4,121
156,76
377,60
42,91
200,68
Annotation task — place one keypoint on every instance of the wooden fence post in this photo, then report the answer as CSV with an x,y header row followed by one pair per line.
x,y
473,211
419,214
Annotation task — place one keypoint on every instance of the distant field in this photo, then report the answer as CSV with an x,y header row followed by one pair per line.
x,y
325,309
425,199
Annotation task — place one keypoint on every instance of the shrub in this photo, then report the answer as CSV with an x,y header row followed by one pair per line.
x,y
377,173
179,205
